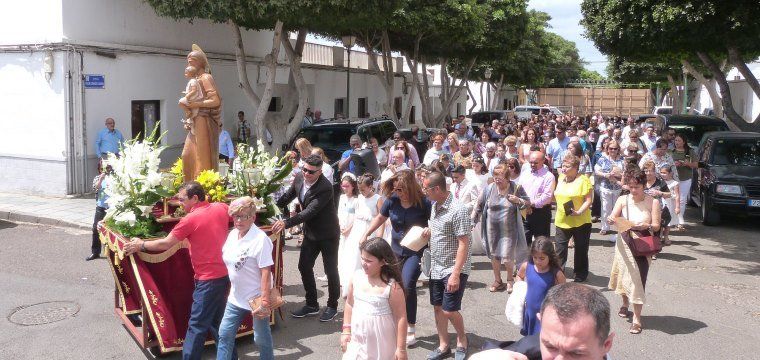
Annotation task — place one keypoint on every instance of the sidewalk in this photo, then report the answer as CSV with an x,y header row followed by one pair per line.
x,y
68,212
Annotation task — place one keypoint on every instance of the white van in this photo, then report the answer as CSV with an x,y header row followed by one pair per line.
x,y
527,111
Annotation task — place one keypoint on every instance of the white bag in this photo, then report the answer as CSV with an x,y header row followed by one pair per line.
x,y
413,239
516,303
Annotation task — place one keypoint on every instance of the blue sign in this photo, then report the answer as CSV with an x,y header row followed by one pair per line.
x,y
94,81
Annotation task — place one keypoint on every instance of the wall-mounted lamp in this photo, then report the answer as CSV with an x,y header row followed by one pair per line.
x,y
47,64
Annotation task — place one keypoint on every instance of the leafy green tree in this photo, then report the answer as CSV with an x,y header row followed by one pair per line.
x,y
649,31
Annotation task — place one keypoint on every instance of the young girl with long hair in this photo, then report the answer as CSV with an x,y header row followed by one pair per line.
x,y
542,271
374,317
348,248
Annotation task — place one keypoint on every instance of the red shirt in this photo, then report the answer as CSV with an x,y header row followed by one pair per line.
x,y
206,228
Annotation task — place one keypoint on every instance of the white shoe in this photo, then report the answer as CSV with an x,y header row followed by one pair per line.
x,y
322,278
411,340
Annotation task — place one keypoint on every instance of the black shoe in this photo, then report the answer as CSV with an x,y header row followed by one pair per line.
x,y
579,279
328,314
305,311
93,257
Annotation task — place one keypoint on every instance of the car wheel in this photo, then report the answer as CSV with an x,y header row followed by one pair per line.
x,y
710,217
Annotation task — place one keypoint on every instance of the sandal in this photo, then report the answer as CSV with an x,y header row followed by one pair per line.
x,y
497,286
510,283
571,244
635,328
679,228
623,313
667,241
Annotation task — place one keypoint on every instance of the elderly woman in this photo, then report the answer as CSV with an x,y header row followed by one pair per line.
x,y
573,217
628,276
395,164
247,253
609,170
512,152
501,225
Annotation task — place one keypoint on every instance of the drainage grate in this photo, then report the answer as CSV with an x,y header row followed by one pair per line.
x,y
43,313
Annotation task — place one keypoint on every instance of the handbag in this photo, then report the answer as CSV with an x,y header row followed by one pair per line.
x,y
516,303
665,217
644,243
275,300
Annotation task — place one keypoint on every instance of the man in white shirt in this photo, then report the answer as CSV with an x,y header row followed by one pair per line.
x,y
463,191
435,152
631,124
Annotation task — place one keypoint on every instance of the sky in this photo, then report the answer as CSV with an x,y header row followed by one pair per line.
x,y
566,17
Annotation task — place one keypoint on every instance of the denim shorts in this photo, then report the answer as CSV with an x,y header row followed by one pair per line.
x,y
446,300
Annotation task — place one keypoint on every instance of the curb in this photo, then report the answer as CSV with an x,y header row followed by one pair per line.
x,y
34,219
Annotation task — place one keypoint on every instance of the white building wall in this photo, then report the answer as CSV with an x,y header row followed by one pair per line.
x,y
32,132
133,22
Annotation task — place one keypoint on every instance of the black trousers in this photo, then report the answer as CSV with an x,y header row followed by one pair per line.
x,y
538,223
100,213
309,252
581,235
596,204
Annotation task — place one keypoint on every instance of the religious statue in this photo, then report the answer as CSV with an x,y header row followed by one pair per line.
x,y
201,150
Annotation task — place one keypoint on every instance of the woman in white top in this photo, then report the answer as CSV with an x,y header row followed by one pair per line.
x,y
247,253
327,170
380,155
348,249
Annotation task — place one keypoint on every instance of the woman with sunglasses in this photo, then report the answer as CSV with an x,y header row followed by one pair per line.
x,y
405,206
609,171
513,169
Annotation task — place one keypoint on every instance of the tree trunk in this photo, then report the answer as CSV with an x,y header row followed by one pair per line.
x,y
736,59
482,108
266,97
474,102
243,81
734,120
294,58
424,91
384,75
497,93
709,84
454,93
675,95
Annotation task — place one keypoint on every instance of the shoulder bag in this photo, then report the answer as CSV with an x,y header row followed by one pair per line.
x,y
641,242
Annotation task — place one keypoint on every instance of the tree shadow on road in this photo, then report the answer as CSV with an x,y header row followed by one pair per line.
x,y
7,225
734,239
674,257
672,325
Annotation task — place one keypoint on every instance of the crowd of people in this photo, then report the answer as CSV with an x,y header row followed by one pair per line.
x,y
491,190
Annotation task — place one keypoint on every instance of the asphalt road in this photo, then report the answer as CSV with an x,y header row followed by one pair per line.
x,y
703,301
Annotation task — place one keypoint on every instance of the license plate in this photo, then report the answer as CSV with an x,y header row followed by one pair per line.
x,y
754,202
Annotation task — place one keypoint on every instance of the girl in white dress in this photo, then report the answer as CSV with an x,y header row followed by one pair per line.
x,y
348,249
673,203
369,205
374,318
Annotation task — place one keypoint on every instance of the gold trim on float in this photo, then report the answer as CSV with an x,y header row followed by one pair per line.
x,y
161,257
146,303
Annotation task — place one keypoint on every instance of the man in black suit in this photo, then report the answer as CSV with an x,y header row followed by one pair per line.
x,y
320,234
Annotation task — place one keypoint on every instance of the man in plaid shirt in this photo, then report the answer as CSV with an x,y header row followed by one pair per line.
x,y
449,233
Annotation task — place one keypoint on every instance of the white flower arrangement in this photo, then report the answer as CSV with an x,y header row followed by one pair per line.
x,y
258,174
135,186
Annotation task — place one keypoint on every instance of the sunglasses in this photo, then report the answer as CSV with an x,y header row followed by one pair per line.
x,y
613,148
310,172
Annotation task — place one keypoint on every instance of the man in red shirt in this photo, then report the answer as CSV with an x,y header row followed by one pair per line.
x,y
205,227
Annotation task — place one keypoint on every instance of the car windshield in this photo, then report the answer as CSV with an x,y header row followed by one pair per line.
x,y
333,140
742,152
481,118
694,133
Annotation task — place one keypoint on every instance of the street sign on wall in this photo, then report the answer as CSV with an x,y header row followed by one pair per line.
x,y
94,81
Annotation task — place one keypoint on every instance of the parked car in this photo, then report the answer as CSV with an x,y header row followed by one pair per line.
x,y
332,135
692,126
727,180
483,117
668,110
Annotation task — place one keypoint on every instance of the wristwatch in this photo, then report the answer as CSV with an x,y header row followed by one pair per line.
x,y
142,246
